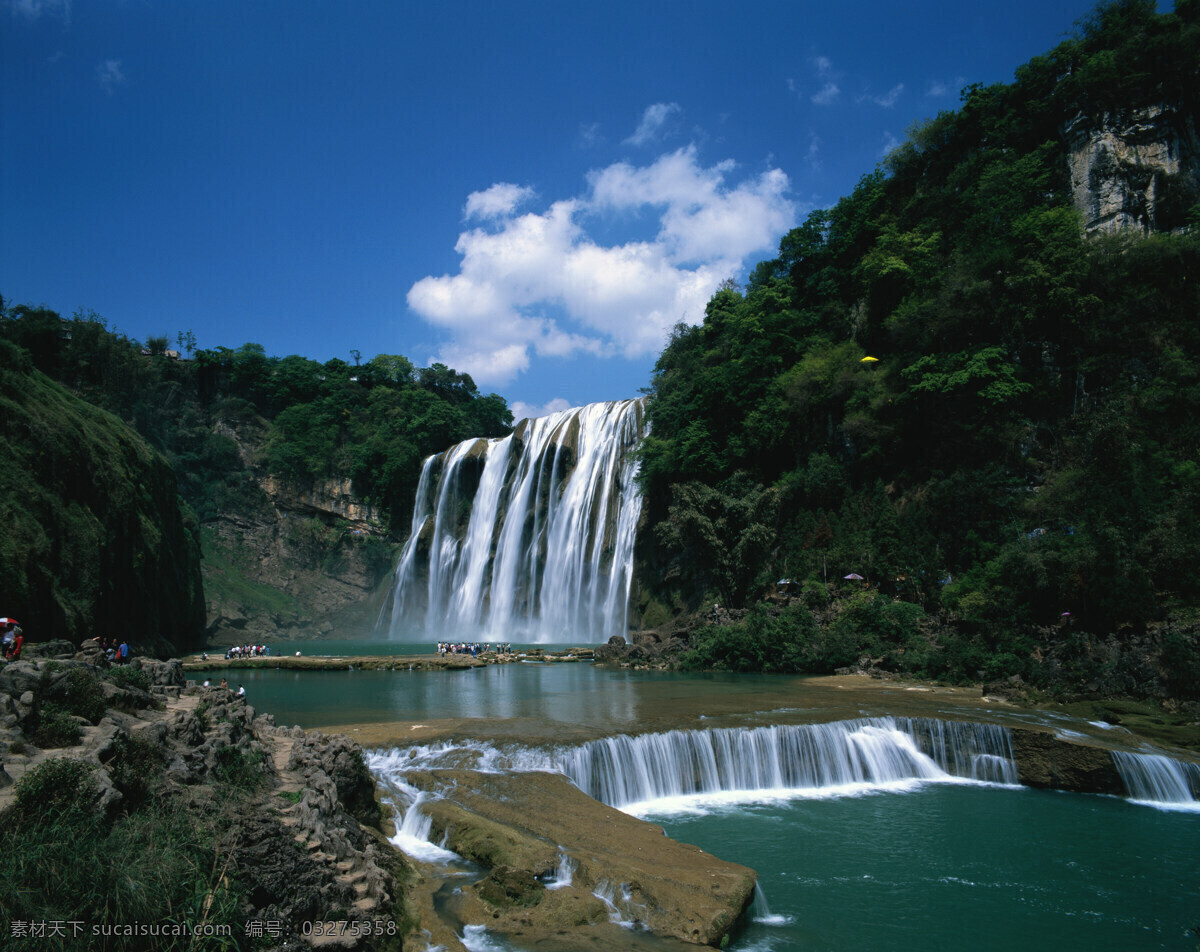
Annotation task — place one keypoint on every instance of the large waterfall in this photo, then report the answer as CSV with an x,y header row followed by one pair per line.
x,y
528,538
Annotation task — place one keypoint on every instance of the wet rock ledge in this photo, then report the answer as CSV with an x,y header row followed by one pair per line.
x,y
520,827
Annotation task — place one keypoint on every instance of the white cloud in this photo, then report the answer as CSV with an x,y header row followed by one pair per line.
x,y
538,284
827,96
829,91
501,199
35,9
530,411
889,142
110,75
888,99
653,120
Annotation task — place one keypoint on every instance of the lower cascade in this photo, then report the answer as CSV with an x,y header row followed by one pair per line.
x,y
625,771
629,771
528,537
1159,780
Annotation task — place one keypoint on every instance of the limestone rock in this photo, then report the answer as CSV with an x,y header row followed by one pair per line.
x,y
1123,168
1044,761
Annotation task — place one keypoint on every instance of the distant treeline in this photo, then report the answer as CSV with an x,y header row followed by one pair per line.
x,y
372,421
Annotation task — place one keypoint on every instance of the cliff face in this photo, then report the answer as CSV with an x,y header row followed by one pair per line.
x,y
95,538
303,562
1136,171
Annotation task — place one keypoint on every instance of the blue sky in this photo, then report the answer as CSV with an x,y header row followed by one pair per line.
x,y
532,192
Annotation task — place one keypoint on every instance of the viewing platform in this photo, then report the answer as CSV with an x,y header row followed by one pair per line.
x,y
429,662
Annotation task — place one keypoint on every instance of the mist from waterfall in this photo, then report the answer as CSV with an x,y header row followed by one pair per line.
x,y
526,538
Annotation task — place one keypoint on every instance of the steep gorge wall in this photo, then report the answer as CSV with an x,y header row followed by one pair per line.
x,y
298,562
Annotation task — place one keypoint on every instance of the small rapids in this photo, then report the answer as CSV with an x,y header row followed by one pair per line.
x,y
1160,781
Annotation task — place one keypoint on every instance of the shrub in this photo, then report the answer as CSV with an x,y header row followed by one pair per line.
x,y
77,692
239,768
54,788
135,768
125,676
765,641
55,727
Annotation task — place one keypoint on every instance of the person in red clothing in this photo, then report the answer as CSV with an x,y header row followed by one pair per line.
x,y
13,651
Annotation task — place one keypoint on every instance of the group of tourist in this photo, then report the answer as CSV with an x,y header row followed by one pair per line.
x,y
248,651
473,648
116,652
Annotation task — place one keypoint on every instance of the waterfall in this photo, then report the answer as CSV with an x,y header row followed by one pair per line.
x,y
761,912
564,871
525,538
837,757
1158,780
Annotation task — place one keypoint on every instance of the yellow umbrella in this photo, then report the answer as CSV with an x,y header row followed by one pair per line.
x,y
869,360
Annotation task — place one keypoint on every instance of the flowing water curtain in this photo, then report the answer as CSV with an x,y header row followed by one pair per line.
x,y
528,537
625,770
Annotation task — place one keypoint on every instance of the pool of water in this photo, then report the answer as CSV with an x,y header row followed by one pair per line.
x,y
940,867
960,867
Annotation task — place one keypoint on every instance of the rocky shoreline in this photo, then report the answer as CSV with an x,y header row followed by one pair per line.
x,y
299,825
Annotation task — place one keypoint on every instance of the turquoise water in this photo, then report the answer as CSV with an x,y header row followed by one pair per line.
x,y
962,867
568,694
953,867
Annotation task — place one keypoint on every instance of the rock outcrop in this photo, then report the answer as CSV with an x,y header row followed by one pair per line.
x,y
300,822
1049,763
1139,171
521,827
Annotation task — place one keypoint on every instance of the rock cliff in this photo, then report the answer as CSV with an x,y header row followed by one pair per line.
x,y
1139,170
301,562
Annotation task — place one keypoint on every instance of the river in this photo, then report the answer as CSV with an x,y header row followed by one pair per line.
x,y
908,858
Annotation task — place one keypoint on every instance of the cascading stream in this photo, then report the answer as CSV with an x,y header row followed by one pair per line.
x,y
624,771
526,538
627,771
1160,781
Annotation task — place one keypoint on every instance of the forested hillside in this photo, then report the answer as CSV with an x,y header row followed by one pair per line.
x,y
956,386
259,444
95,539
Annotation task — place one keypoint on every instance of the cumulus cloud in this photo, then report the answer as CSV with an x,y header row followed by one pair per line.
x,y
110,75
538,284
501,199
654,121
